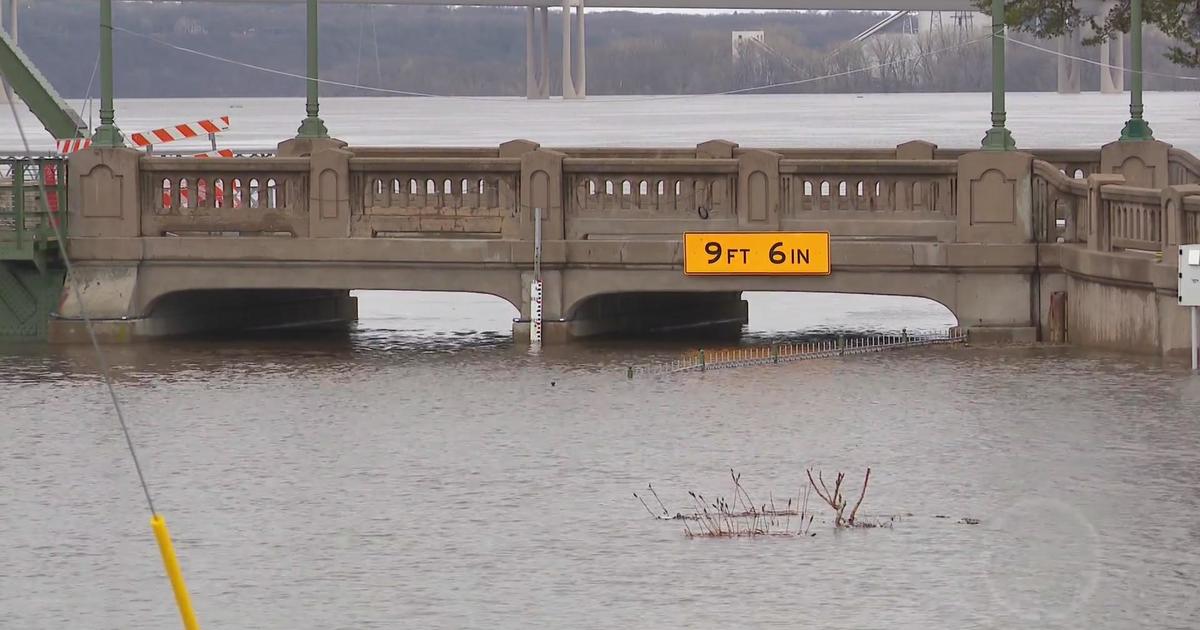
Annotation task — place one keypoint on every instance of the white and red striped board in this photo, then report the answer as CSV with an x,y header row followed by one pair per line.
x,y
219,153
184,131
142,139
72,145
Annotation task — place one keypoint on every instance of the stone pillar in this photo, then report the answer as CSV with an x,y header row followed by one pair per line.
x,y
105,192
329,193
537,53
758,190
1068,69
1172,205
716,150
516,148
1143,163
1112,53
541,187
916,150
995,201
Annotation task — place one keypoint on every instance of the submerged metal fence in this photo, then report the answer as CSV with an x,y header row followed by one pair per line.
x,y
716,359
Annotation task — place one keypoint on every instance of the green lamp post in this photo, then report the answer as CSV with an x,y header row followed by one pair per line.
x,y
1136,128
998,138
312,126
107,134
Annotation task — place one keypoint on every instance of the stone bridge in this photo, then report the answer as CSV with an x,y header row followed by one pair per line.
x,y
171,245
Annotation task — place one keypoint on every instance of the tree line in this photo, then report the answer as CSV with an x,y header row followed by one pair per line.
x,y
481,51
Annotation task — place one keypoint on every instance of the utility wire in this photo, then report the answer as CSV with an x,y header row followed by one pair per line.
x,y
1101,63
105,372
494,99
87,105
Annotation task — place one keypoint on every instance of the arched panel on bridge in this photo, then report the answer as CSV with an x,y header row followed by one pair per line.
x,y
954,291
999,301
802,312
154,282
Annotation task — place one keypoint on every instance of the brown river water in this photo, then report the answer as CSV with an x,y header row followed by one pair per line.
x,y
422,471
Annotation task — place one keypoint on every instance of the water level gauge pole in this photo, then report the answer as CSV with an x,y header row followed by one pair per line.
x,y
1194,326
535,290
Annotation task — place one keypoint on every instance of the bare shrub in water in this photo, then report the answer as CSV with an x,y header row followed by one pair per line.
x,y
740,516
837,501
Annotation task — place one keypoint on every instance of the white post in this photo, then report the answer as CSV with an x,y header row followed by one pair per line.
x,y
1193,311
535,291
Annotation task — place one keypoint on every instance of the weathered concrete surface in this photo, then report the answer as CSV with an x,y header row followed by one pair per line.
x,y
643,314
954,226
186,313
1122,301
1142,164
984,285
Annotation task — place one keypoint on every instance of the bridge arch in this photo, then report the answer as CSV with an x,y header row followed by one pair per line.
x,y
155,287
975,298
943,288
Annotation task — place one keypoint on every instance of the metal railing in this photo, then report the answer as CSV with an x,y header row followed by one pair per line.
x,y
26,228
776,353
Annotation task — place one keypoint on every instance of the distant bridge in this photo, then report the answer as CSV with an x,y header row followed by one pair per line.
x,y
574,57
743,5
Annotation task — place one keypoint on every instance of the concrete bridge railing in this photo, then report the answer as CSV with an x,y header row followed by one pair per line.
x,y
1107,215
989,234
484,193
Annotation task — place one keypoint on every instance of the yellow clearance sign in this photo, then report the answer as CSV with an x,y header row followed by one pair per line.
x,y
756,253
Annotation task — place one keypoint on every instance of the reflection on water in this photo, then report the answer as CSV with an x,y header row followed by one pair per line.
x,y
424,471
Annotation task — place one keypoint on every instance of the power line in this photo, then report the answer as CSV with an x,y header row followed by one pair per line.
x,y
102,363
1100,63
746,90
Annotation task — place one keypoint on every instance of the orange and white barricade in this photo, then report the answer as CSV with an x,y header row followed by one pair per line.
x,y
143,139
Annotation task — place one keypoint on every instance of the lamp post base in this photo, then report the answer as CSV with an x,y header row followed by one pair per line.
x,y
998,139
312,127
108,136
1136,130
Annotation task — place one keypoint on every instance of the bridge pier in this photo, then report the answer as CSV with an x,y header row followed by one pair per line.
x,y
1068,69
110,295
574,64
537,53
1112,74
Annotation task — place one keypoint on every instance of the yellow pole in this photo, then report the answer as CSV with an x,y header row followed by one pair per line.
x,y
171,563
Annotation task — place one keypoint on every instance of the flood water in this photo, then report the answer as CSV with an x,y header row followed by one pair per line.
x,y
423,471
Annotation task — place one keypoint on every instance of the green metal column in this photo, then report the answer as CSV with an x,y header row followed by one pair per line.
x,y
1136,128
312,126
107,134
998,138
